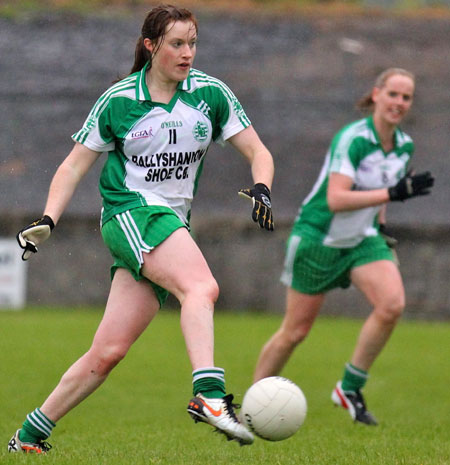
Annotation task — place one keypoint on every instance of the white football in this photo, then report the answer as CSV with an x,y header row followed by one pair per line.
x,y
274,408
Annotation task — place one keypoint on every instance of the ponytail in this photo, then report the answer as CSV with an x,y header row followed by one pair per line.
x,y
365,104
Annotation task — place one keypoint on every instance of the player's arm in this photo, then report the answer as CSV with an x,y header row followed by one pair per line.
x,y
62,188
341,197
66,179
259,157
250,145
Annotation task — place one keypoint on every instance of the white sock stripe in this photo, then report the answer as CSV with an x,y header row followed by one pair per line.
x,y
196,378
356,372
38,425
208,370
200,370
43,418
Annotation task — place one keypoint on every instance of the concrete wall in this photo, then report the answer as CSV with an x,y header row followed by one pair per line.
x,y
72,268
297,79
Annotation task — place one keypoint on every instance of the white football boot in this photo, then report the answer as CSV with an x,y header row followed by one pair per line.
x,y
354,403
16,445
219,413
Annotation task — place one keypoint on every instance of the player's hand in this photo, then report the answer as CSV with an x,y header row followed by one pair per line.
x,y
411,185
386,234
34,234
262,207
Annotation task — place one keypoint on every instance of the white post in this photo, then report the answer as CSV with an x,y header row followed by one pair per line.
x,y
12,275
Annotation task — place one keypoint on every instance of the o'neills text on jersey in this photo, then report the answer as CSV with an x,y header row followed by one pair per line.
x,y
171,124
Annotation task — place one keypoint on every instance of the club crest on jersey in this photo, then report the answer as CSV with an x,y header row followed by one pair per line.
x,y
142,133
200,131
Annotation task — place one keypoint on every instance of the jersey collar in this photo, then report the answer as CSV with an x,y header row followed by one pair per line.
x,y
374,138
142,92
373,132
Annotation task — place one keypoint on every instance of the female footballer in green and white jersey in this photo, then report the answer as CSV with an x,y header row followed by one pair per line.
x,y
156,150
336,237
156,126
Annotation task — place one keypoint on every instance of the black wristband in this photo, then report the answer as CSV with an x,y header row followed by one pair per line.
x,y
48,221
261,187
394,194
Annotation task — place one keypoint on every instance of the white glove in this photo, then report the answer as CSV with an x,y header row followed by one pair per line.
x,y
34,234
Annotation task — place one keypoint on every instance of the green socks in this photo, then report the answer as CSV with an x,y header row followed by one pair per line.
x,y
354,378
210,381
36,427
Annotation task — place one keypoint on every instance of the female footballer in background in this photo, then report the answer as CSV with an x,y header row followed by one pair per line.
x,y
156,125
336,237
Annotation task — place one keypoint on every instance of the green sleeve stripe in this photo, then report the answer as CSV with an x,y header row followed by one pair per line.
x,y
243,118
202,78
215,82
102,102
81,136
104,99
348,135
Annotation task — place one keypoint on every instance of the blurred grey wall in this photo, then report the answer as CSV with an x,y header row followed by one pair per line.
x,y
298,79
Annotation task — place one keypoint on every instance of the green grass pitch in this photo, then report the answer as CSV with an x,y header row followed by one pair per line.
x,y
139,415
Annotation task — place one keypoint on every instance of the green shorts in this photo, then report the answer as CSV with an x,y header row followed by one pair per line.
x,y
130,234
312,268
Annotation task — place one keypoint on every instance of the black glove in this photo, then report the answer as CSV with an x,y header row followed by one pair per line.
x,y
411,185
262,208
34,234
385,233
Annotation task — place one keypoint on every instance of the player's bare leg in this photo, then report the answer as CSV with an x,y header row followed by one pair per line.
x,y
301,312
179,266
130,308
382,285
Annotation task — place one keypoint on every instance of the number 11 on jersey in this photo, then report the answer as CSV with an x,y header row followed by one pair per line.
x,y
172,136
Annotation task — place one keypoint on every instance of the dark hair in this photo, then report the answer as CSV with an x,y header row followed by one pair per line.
x,y
365,103
154,28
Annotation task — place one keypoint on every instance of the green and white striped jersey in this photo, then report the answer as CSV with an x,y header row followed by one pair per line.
x,y
356,152
156,151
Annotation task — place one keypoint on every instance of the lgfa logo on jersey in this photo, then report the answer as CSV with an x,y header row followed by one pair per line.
x,y
142,133
200,131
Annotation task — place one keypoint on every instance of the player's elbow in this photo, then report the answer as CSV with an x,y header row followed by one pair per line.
x,y
334,204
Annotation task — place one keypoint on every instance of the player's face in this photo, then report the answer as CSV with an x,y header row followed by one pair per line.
x,y
175,55
394,99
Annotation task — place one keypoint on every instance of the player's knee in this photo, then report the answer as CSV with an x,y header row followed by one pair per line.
x,y
392,309
207,289
213,290
108,357
294,336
